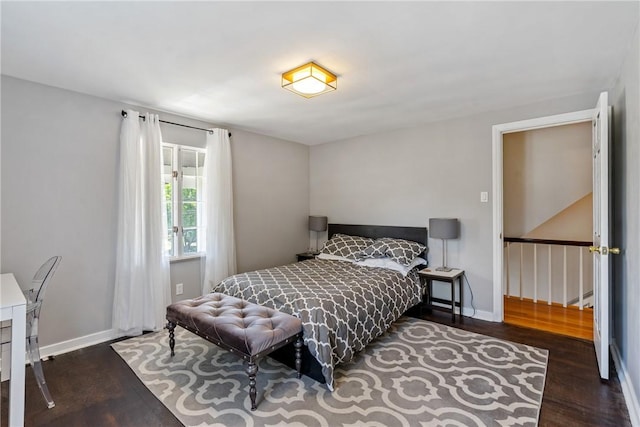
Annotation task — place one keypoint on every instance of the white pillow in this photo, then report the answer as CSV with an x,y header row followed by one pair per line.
x,y
391,264
334,257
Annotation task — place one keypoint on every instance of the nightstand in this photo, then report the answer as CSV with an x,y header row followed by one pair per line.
x,y
431,274
305,256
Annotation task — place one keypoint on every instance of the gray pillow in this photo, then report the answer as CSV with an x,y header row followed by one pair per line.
x,y
376,250
346,246
399,250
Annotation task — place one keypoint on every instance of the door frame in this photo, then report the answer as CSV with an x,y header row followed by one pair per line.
x,y
497,176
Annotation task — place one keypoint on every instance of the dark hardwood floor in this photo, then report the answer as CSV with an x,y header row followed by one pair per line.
x,y
94,387
91,387
574,395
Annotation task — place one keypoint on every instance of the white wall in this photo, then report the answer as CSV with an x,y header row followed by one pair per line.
x,y
59,182
626,224
407,176
545,171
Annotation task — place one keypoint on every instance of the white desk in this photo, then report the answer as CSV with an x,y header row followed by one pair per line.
x,y
13,306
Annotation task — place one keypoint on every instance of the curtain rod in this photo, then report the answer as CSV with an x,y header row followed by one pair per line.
x,y
124,114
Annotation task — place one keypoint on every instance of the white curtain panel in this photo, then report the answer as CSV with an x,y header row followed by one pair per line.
x,y
221,249
142,284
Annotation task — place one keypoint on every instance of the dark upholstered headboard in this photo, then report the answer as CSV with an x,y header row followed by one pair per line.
x,y
415,234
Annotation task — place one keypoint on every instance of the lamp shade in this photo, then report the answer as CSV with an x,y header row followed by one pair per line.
x,y
444,228
318,223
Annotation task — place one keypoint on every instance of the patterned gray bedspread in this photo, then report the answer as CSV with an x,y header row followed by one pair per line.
x,y
343,306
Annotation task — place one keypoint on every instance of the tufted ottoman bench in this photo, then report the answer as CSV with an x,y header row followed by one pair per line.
x,y
248,330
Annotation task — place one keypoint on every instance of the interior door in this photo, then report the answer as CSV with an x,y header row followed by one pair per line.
x,y
600,248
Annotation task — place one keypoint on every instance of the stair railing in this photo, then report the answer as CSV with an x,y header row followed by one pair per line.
x,y
526,281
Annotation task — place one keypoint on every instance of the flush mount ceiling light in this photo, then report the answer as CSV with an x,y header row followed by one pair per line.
x,y
309,80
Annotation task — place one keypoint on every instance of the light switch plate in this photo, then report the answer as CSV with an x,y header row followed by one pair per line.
x,y
484,196
179,289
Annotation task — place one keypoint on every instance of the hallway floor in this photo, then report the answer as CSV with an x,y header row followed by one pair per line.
x,y
554,318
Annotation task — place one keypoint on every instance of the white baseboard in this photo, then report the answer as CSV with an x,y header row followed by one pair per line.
x,y
78,343
470,312
58,348
479,314
630,396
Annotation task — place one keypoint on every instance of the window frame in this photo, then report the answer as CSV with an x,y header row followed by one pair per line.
x,y
177,201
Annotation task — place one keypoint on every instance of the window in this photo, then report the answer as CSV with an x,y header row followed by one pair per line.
x,y
182,174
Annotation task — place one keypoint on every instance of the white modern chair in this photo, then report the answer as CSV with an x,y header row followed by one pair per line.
x,y
35,297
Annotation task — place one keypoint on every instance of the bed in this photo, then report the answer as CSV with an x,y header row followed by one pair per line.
x,y
343,305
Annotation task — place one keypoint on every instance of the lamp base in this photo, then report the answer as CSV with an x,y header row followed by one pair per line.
x,y
447,269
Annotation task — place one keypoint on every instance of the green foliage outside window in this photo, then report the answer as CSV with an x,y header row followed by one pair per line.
x,y
168,198
189,194
189,214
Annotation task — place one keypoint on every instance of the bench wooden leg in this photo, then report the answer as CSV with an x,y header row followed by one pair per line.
x,y
298,346
172,338
252,370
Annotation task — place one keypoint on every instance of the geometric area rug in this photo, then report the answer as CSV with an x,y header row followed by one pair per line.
x,y
418,373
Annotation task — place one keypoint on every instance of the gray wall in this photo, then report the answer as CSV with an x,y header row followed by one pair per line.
x,y
59,175
271,184
437,170
626,217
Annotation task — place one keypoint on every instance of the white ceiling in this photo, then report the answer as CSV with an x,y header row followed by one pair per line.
x,y
399,64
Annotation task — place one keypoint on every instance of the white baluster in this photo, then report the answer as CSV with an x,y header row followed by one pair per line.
x,y
564,276
535,273
549,268
508,293
581,302
521,265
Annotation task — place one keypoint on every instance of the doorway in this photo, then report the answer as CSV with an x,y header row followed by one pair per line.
x,y
548,225
525,311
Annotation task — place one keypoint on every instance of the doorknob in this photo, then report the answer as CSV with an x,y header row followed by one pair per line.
x,y
604,250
